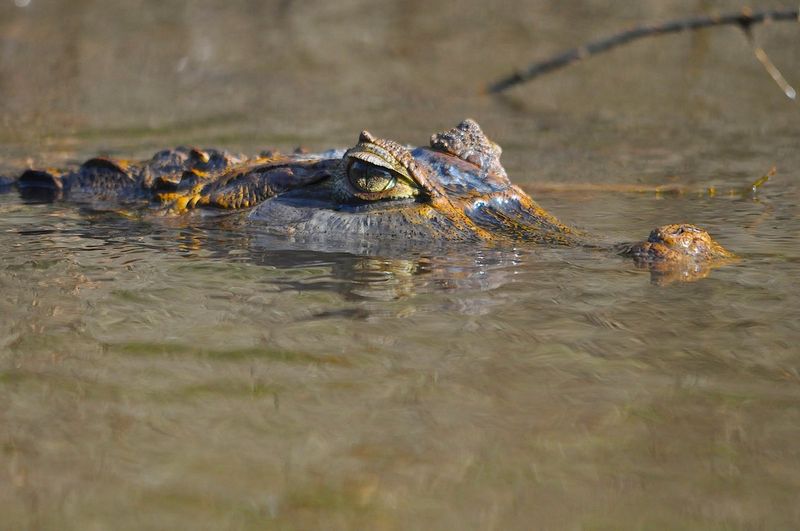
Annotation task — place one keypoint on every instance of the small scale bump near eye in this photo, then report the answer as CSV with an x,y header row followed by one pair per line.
x,y
369,178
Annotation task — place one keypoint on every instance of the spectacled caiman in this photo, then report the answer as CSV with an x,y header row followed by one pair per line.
x,y
454,190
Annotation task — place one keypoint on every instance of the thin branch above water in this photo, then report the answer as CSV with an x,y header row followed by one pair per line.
x,y
745,19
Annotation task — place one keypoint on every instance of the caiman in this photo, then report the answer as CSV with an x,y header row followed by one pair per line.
x,y
454,190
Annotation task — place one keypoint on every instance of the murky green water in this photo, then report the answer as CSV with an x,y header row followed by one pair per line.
x,y
165,374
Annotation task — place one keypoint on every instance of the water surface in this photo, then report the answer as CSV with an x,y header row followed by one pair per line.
x,y
171,373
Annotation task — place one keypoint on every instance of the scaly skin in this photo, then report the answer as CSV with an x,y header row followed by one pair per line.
x,y
454,190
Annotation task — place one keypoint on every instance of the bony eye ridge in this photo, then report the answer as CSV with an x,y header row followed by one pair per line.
x,y
370,178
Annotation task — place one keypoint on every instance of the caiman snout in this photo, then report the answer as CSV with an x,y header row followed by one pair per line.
x,y
677,242
678,252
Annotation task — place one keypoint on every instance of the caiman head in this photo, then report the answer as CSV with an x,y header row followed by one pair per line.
x,y
456,189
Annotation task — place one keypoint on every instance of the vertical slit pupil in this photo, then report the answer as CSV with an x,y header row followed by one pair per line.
x,y
370,178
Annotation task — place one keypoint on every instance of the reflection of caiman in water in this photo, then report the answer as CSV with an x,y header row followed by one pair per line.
x,y
454,190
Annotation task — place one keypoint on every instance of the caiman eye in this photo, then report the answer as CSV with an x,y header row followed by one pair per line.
x,y
369,178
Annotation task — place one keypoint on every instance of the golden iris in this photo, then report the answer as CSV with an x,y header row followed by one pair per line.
x,y
369,178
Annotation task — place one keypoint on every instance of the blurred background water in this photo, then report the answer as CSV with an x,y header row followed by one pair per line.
x,y
182,374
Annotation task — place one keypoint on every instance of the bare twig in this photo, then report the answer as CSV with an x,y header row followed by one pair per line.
x,y
749,190
768,65
744,19
758,183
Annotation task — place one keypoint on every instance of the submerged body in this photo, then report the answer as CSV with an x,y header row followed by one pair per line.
x,y
454,190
